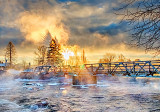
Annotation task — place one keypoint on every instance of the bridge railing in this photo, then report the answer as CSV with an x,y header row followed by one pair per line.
x,y
135,68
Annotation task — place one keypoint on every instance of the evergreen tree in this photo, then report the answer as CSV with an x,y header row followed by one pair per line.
x,y
54,57
10,53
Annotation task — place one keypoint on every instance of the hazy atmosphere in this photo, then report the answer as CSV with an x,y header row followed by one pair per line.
x,y
79,55
90,24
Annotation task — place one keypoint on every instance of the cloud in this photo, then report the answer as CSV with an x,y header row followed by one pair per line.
x,y
9,10
41,19
75,10
112,29
92,25
89,24
5,41
10,34
35,18
35,27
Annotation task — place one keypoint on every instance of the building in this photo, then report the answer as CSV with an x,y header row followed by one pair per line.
x,y
3,66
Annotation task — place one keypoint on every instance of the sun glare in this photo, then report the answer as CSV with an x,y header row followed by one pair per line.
x,y
67,53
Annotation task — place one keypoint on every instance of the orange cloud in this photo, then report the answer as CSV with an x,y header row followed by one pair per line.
x,y
35,26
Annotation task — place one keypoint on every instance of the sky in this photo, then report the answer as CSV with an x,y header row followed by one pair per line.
x,y
89,24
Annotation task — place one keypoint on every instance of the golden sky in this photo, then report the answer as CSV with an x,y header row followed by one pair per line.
x,y
91,25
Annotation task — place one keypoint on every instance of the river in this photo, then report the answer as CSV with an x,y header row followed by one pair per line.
x,y
110,94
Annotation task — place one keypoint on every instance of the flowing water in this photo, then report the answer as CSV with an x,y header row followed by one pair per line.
x,y
110,94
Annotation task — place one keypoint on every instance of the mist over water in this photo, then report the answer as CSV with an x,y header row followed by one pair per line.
x,y
110,94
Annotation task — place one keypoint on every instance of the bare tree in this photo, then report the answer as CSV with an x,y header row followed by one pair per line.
x,y
108,58
144,17
10,53
121,58
41,54
24,63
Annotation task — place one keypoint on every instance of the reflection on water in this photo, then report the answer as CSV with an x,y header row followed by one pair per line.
x,y
120,94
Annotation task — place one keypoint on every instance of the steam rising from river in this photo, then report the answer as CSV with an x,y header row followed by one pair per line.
x,y
36,25
115,82
111,93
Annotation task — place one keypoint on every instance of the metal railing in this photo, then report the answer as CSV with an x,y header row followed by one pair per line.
x,y
133,68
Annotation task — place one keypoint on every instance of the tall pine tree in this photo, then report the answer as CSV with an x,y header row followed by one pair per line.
x,y
54,57
10,53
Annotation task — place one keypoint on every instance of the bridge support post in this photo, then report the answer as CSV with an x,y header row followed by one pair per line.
x,y
84,78
133,68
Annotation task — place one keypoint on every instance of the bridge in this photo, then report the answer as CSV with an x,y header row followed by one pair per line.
x,y
133,68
